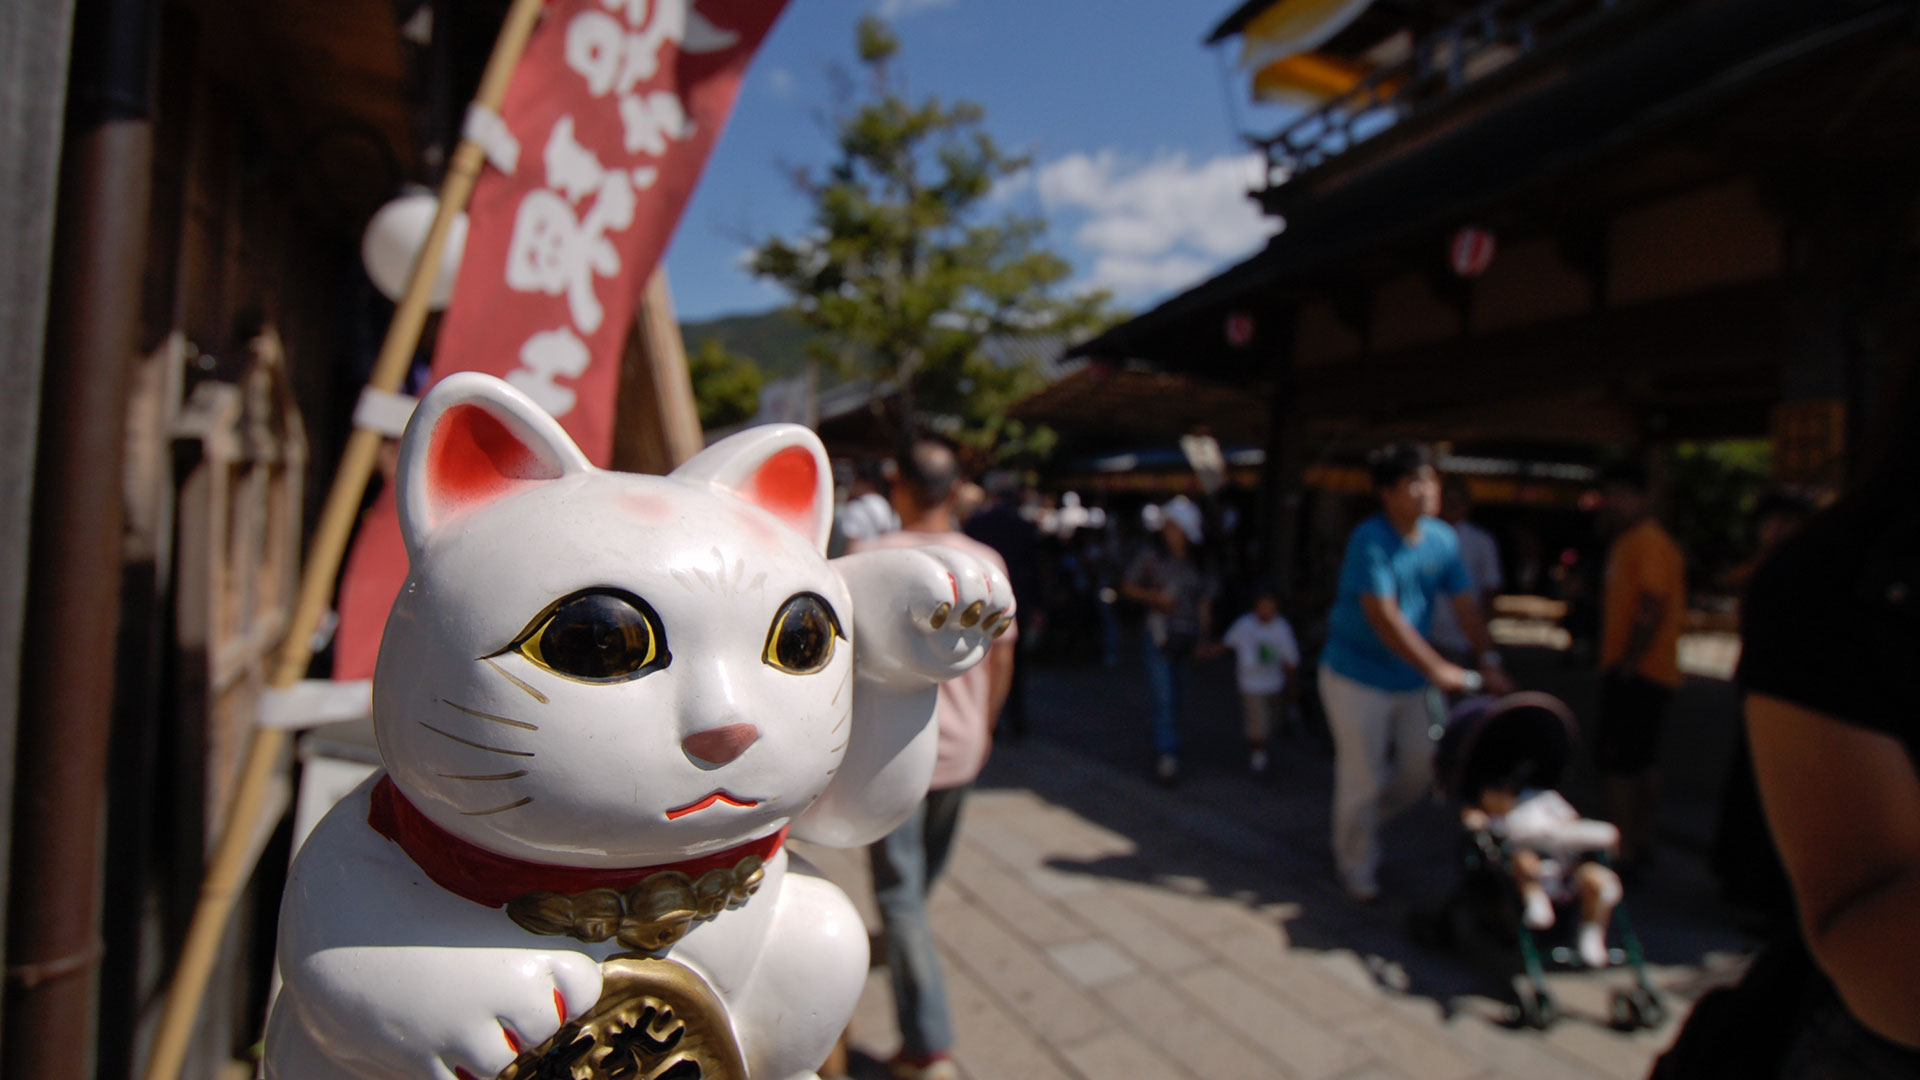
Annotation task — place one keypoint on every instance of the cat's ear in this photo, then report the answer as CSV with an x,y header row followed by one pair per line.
x,y
781,468
474,439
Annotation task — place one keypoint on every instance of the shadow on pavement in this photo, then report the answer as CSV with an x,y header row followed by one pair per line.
x,y
1222,832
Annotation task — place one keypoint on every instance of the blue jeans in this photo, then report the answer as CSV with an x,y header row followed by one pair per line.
x,y
1167,682
906,862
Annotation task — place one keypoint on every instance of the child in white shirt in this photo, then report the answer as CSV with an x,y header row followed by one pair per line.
x,y
1266,656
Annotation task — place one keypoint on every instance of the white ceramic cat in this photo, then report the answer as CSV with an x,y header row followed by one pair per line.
x,y
603,700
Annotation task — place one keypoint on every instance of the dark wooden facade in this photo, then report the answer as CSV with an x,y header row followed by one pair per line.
x,y
271,133
1706,223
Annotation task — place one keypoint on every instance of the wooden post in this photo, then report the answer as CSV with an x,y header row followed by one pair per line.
x,y
1282,494
656,424
232,858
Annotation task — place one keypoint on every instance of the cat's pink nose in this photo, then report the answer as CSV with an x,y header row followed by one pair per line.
x,y
720,745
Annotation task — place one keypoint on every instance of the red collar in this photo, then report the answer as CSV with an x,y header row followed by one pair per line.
x,y
485,878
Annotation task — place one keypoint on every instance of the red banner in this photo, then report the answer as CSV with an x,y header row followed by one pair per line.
x,y
609,119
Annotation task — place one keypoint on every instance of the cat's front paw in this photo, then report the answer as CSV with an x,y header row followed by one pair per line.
x,y
518,1010
923,615
448,1013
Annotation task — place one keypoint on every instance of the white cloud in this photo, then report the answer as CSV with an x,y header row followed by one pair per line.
x,y
1133,276
1151,227
895,9
1007,187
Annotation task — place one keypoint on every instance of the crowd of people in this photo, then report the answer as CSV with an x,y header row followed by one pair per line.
x,y
1402,650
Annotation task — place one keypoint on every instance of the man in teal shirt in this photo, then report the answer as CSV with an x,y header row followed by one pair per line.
x,y
1378,663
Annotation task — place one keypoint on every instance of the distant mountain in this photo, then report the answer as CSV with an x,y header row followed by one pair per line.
x,y
773,340
777,343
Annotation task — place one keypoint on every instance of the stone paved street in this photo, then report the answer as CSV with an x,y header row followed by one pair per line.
x,y
1097,926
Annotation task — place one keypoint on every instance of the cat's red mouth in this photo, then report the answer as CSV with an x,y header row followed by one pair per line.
x,y
716,797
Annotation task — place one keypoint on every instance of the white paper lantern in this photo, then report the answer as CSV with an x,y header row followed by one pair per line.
x,y
394,238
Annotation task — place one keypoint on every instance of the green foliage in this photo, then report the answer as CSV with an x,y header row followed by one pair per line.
x,y
1713,488
726,386
905,268
776,340
875,41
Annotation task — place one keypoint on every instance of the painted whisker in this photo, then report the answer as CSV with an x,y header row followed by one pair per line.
x,y
514,775
517,681
510,806
507,720
475,745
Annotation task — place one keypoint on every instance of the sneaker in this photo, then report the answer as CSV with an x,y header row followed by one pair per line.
x,y
1592,943
938,1067
1257,761
1167,769
1539,911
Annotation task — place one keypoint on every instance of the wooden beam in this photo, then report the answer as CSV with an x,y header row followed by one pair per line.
x,y
1585,248
656,423
1353,306
1730,330
1449,287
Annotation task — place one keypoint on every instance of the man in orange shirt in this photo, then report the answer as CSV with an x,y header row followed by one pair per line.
x,y
1643,606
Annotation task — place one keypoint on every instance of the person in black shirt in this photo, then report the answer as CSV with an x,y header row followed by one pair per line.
x,y
1743,856
1833,715
1831,671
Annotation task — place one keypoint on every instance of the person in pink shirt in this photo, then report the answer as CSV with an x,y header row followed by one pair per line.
x,y
908,861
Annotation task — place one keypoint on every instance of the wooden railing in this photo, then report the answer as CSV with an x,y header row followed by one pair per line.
x,y
1437,65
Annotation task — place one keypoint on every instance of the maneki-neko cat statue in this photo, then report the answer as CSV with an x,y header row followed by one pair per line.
x,y
604,702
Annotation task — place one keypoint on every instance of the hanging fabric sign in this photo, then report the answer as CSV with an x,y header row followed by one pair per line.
x,y
607,123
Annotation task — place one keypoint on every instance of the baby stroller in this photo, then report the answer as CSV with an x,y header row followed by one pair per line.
x,y
1489,742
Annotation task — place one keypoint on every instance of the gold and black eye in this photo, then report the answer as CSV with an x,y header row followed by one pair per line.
x,y
800,642
596,635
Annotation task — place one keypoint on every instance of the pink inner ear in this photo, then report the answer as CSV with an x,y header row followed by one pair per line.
x,y
785,485
474,457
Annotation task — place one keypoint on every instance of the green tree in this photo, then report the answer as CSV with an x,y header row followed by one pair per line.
x,y
726,386
905,269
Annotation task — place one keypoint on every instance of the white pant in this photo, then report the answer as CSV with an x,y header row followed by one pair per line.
x,y
1382,764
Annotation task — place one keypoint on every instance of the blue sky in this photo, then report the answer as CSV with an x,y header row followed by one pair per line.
x,y
1138,167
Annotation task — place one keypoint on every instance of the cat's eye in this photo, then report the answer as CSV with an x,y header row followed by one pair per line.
x,y
801,639
599,635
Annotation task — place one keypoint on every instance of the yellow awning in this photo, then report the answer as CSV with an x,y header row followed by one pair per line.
x,y
1309,78
1291,27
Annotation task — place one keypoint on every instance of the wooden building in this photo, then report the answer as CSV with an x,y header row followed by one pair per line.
x,y
1701,215
187,331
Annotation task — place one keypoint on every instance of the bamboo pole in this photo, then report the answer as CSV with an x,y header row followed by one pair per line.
x,y
229,869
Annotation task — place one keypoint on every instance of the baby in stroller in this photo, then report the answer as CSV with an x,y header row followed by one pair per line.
x,y
1500,758
1549,846
1525,848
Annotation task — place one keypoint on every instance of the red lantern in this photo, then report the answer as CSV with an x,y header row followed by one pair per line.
x,y
1471,252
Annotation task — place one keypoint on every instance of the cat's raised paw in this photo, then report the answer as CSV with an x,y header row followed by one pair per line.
x,y
976,602
924,614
